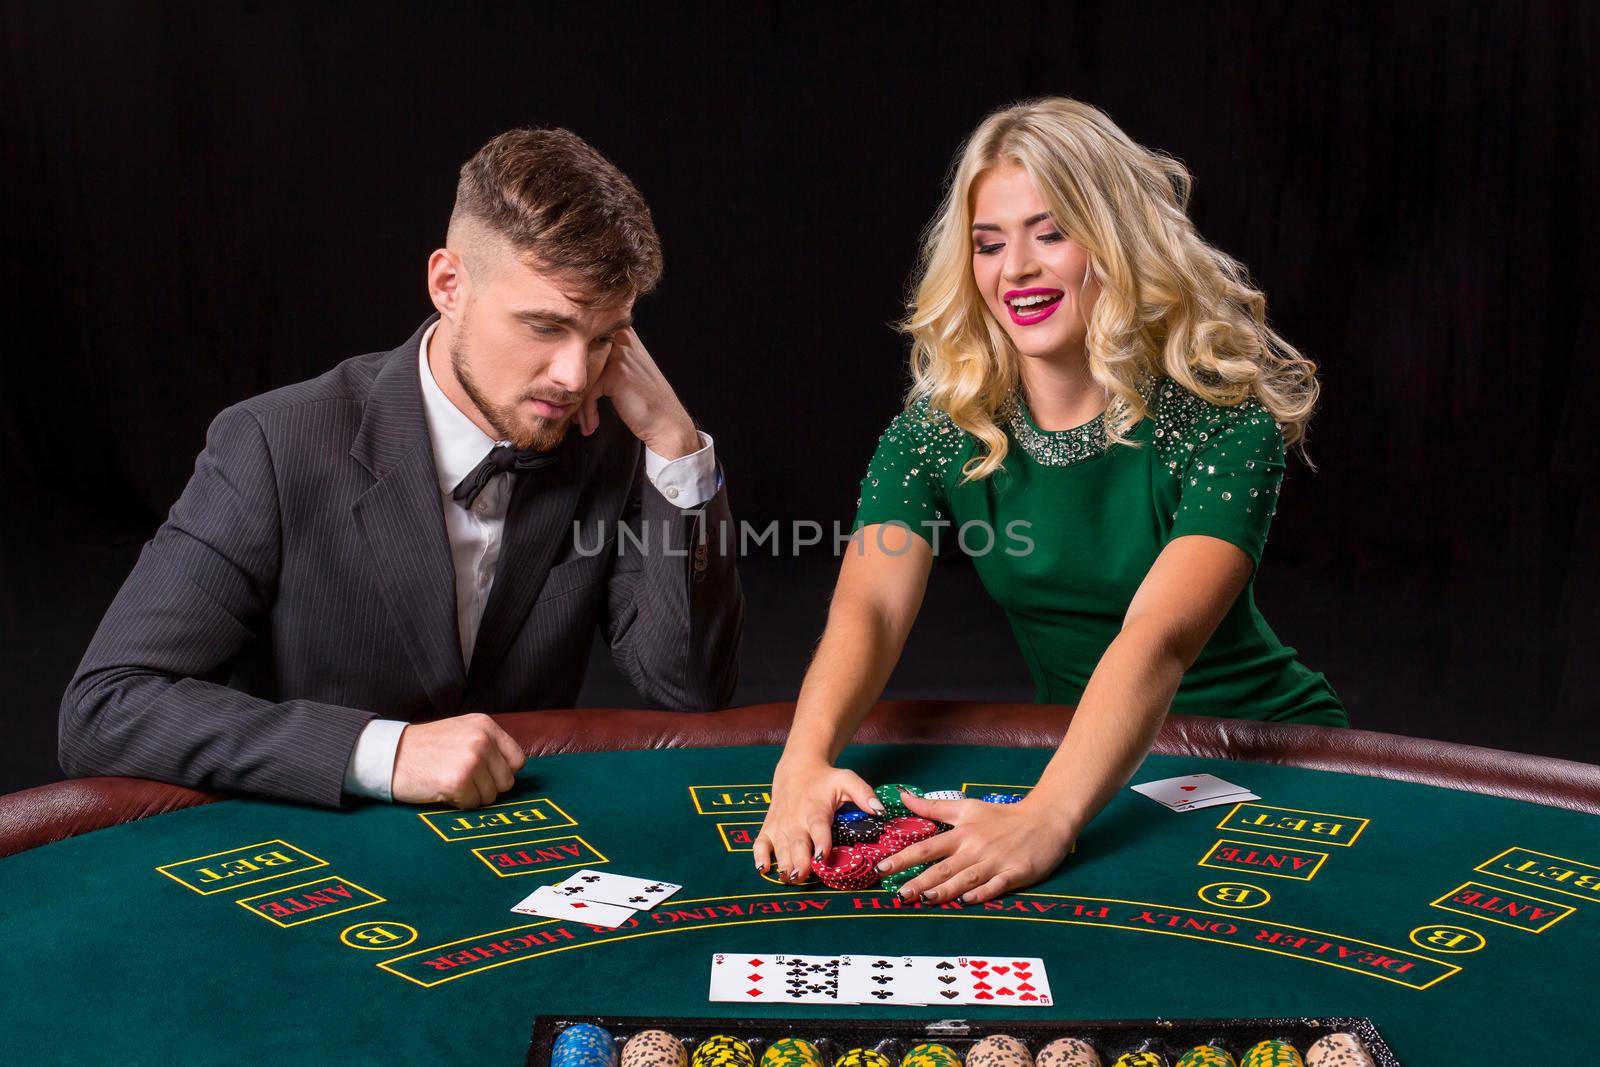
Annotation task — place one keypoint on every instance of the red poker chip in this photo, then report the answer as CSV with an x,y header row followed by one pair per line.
x,y
890,843
857,886
849,867
913,827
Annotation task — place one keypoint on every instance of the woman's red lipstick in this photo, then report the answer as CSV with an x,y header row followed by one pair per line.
x,y
1035,311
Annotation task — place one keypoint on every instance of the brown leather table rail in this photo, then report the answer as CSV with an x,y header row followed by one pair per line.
x,y
49,813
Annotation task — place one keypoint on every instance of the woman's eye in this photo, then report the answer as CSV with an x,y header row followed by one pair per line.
x,y
1050,238
988,250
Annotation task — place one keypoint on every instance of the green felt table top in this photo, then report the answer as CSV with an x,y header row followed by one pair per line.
x,y
250,931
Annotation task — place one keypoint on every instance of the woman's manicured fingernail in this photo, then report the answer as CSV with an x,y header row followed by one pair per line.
x,y
927,896
883,867
877,808
905,894
965,899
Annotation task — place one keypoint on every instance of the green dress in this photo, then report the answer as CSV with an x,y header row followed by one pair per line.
x,y
1066,530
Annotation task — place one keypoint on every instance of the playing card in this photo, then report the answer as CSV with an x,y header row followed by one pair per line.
x,y
1188,790
777,978
641,893
1226,798
881,980
810,979
941,980
751,978
992,980
547,902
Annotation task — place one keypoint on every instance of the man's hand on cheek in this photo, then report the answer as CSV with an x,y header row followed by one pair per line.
x,y
642,398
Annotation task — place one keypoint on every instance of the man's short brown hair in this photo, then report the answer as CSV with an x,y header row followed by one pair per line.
x,y
567,207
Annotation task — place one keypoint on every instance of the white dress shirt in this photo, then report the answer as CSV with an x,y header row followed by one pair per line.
x,y
475,536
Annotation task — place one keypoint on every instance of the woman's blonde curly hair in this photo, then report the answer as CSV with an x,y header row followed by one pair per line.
x,y
1170,304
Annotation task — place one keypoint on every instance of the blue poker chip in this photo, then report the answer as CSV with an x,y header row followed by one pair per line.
x,y
1001,798
849,813
584,1045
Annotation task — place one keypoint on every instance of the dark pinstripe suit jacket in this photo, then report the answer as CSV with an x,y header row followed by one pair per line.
x,y
302,585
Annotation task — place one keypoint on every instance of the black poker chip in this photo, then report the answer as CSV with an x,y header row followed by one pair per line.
x,y
857,831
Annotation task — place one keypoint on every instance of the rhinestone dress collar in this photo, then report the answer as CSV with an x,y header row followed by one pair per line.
x,y
1055,448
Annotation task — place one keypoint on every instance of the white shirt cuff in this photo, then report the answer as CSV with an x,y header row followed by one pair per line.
x,y
687,481
371,770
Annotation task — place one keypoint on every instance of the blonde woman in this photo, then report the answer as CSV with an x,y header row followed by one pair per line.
x,y
1100,411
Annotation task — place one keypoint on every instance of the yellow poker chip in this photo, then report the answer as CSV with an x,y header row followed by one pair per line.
x,y
1207,1056
931,1054
1141,1059
863,1057
723,1050
1272,1053
792,1052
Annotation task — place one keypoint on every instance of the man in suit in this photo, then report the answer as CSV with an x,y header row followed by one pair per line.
x,y
365,563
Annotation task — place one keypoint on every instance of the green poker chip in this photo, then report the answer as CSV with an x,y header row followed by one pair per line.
x,y
1272,1053
931,1055
863,1057
890,796
895,882
792,1052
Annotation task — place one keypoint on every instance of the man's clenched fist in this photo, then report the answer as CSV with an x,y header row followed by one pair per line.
x,y
465,762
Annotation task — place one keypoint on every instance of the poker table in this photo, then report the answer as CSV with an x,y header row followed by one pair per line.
x,y
1450,894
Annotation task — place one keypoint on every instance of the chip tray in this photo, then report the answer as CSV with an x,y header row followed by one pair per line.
x,y
894,1037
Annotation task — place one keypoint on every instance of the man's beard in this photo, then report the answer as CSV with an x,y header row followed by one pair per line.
x,y
541,435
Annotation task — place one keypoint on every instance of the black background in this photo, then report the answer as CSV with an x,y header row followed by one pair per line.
x,y
202,204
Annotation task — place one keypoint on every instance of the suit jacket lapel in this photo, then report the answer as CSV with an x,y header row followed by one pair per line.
x,y
537,524
401,517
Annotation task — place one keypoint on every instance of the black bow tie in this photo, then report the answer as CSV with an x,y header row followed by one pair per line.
x,y
500,459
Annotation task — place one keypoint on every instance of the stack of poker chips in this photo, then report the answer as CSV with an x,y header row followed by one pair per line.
x,y
931,1054
1141,1059
849,867
584,1045
722,1050
1068,1052
1338,1050
1207,1056
653,1048
863,1057
999,1050
792,1052
1272,1053
862,840
889,796
901,833
852,826
904,831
